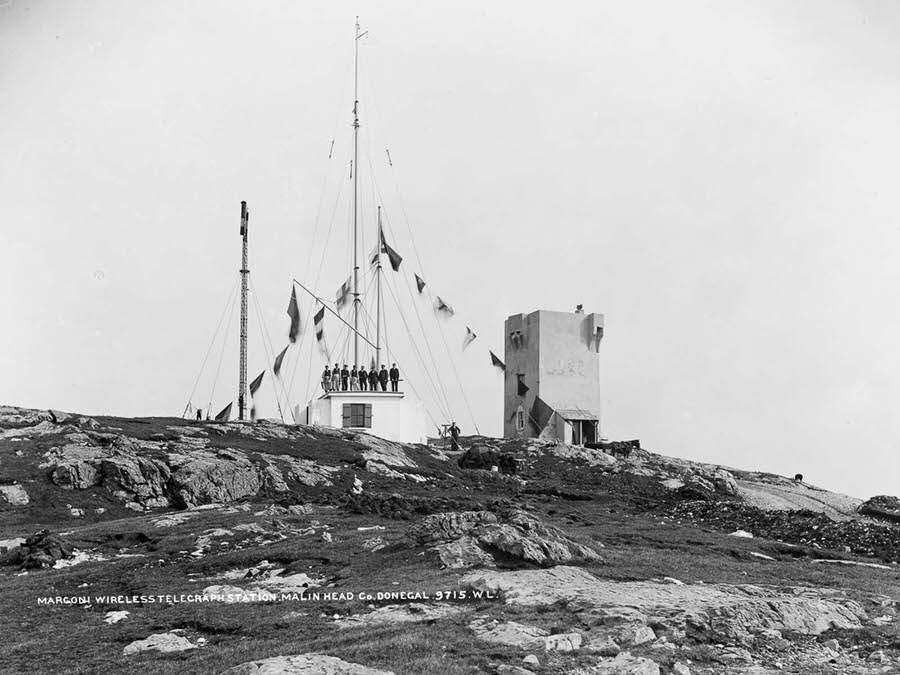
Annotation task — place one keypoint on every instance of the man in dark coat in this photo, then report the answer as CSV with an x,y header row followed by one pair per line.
x,y
326,378
395,377
345,378
363,378
454,437
383,377
373,379
199,414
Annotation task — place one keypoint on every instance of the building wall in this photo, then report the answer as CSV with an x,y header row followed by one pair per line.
x,y
394,417
558,357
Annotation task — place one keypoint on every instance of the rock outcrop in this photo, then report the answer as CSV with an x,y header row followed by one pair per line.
x,y
882,507
466,539
159,642
181,473
303,664
733,612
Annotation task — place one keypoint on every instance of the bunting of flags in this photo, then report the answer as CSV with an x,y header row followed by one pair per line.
x,y
294,312
496,362
420,283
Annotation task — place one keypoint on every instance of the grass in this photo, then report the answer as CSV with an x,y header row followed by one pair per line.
x,y
594,507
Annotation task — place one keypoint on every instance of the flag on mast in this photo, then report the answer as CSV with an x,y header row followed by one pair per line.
x,y
278,361
294,312
225,415
254,386
470,337
420,283
496,362
392,255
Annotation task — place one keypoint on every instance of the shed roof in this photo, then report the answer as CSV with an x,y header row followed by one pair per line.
x,y
577,414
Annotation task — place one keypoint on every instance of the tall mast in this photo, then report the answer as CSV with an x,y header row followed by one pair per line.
x,y
245,219
356,299
378,294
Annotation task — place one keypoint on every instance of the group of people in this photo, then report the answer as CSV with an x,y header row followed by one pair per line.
x,y
358,379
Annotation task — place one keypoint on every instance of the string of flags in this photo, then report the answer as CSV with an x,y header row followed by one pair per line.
x,y
441,307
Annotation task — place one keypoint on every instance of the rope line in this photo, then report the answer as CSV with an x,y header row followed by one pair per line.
x,y
211,343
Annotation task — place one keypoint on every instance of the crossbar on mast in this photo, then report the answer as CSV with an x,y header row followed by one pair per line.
x,y
339,317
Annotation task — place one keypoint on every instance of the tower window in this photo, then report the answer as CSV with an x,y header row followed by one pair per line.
x,y
520,419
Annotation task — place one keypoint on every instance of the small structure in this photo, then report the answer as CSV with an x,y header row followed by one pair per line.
x,y
387,414
552,382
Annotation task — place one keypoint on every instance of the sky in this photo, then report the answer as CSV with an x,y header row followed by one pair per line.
x,y
716,178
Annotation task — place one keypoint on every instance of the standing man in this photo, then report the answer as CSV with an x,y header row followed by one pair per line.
x,y
373,379
326,379
383,377
345,378
336,378
363,378
454,437
200,414
395,377
354,379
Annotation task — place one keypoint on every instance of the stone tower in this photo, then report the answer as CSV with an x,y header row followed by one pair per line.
x,y
552,381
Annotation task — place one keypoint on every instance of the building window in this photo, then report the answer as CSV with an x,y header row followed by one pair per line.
x,y
358,415
520,419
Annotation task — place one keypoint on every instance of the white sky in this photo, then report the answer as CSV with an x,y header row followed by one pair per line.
x,y
717,178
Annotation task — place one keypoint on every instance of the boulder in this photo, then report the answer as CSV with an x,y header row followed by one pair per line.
x,y
623,664
603,645
42,549
160,642
442,527
483,456
724,482
303,664
59,417
883,507
464,553
14,495
521,537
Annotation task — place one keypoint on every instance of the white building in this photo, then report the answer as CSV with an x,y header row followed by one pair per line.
x,y
389,415
552,382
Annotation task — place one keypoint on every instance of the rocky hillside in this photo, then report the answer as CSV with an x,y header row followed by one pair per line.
x,y
169,546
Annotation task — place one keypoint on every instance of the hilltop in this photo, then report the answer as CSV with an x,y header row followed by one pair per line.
x,y
162,545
